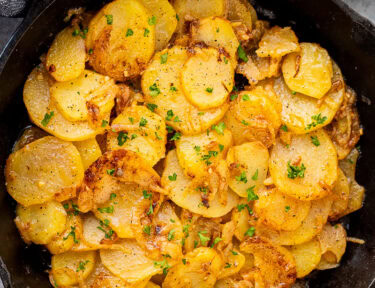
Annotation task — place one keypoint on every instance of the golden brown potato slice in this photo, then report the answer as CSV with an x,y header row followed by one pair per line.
x,y
72,267
248,166
192,274
217,32
278,42
46,169
114,32
279,211
341,192
89,151
76,98
166,21
207,79
242,11
190,198
357,192
241,218
276,264
307,168
64,241
188,10
139,130
309,71
252,116
303,114
307,256
67,55
132,266
309,228
333,243
40,223
113,168
43,111
161,87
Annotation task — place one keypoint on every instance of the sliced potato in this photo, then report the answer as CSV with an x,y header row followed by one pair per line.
x,y
217,32
161,86
89,151
307,257
253,117
280,212
241,219
45,169
276,264
107,175
333,243
72,267
114,32
309,228
188,10
341,192
233,264
70,236
40,223
309,71
67,55
76,98
148,140
192,274
301,113
166,21
248,166
233,282
304,170
185,196
132,266
242,11
43,111
278,42
207,78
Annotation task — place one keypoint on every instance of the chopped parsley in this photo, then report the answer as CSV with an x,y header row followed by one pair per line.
x,y
91,51
219,128
240,207
122,138
245,97
147,229
143,122
177,17
242,54
172,220
163,265
104,123
176,136
145,34
255,176
105,224
151,106
234,252
82,265
315,140
173,89
296,171
183,259
294,92
221,147
172,177
150,210
202,238
209,89
110,171
244,123
250,232
287,208
47,118
113,196
233,97
242,177
131,119
197,148
73,234
164,58
154,90
251,196
284,128
217,240
225,60
171,235
129,32
146,195
227,265
152,20
108,209
109,19
170,115
157,136
318,119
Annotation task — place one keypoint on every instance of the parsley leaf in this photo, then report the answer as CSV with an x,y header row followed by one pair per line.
x,y
172,177
296,171
242,177
147,229
109,19
202,238
129,32
151,106
122,138
146,195
250,232
154,90
209,89
284,128
255,176
219,128
152,20
251,196
242,54
108,209
47,118
143,122
176,136
315,140
171,235
164,58
318,119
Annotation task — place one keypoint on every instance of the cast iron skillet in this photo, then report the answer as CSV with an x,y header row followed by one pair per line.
x,y
349,39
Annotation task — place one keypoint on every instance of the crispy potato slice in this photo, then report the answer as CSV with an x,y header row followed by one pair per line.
x,y
303,114
279,211
111,169
341,192
70,268
307,256
166,21
40,223
242,11
252,116
357,192
278,42
141,131
188,10
67,55
303,170
64,241
192,274
333,243
185,196
276,264
207,79
161,86
46,169
76,97
132,266
309,71
114,32
89,151
248,166
217,32
44,113
309,228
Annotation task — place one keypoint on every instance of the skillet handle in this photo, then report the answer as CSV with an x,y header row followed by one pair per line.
x,y
22,8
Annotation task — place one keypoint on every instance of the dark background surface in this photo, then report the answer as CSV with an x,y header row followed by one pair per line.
x,y
317,21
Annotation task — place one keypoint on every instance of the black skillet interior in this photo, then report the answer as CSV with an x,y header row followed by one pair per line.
x,y
349,39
